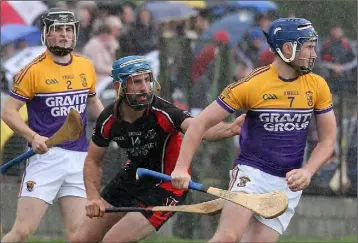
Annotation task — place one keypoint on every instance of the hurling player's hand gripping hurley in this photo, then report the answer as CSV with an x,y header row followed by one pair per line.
x,y
268,205
212,207
71,130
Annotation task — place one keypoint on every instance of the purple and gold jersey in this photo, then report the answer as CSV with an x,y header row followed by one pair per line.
x,y
279,111
51,89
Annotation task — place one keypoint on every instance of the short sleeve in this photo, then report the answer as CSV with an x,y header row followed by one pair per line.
x,y
234,96
92,91
323,102
24,84
169,116
101,135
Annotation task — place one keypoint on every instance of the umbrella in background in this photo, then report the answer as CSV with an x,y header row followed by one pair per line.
x,y
21,12
15,32
235,25
257,6
164,11
15,63
194,4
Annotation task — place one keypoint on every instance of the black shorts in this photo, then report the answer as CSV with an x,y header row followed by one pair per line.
x,y
124,192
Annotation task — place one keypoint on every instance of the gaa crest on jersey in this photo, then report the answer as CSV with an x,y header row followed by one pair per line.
x,y
83,79
243,180
309,96
30,186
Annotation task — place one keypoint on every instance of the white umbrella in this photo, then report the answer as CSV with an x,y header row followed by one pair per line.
x,y
15,63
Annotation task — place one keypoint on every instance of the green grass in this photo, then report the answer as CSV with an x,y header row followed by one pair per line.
x,y
156,239
283,239
349,239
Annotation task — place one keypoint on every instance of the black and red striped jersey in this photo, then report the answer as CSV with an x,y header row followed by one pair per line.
x,y
152,141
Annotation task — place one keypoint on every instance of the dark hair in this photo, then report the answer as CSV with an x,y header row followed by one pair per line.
x,y
104,29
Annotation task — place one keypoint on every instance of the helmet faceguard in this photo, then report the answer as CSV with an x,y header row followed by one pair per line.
x,y
295,32
54,18
136,81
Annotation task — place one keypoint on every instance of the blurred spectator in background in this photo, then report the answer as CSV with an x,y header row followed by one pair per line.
x,y
7,51
4,86
100,50
127,17
202,70
143,37
266,57
207,55
202,22
338,60
115,24
101,13
263,21
85,19
256,43
21,44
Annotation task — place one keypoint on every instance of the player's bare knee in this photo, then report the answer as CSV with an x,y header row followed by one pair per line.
x,y
77,237
22,232
221,237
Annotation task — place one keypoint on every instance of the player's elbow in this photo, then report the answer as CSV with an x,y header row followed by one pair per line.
x,y
6,114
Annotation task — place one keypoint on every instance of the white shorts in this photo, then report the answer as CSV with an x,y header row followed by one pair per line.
x,y
55,174
253,181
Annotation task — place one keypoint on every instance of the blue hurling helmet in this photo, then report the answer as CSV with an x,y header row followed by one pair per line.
x,y
295,31
126,67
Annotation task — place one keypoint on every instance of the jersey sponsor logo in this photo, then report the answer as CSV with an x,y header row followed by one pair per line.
x,y
269,97
68,77
30,185
51,81
309,96
61,105
279,122
290,93
243,180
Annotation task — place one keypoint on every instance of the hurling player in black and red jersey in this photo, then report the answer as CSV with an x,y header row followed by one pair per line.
x,y
150,129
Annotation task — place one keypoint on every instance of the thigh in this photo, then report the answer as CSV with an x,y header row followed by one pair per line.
x,y
233,220
29,213
94,229
73,184
259,232
43,176
132,228
72,209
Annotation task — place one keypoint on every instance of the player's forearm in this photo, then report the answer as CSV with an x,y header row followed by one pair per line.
x,y
218,132
92,174
320,155
13,119
190,144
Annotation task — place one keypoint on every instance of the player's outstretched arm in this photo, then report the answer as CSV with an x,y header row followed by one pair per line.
x,y
225,130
